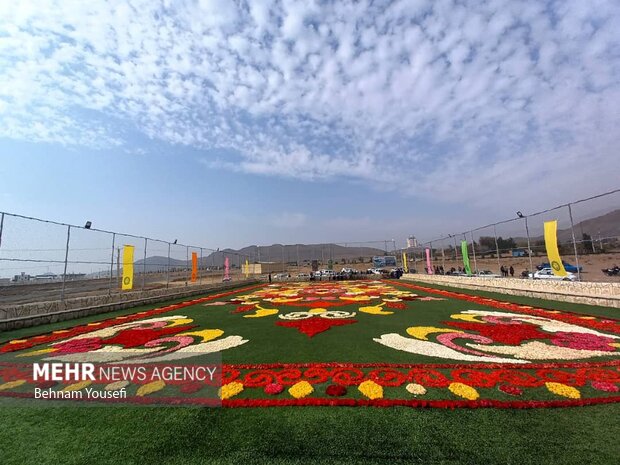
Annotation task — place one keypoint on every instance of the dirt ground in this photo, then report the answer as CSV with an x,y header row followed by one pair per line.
x,y
592,265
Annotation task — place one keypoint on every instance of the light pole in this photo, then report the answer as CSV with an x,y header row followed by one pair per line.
x,y
529,249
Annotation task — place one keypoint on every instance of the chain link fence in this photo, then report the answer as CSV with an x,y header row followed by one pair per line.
x,y
588,233
44,261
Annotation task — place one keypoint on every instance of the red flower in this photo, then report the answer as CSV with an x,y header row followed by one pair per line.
x,y
273,389
243,308
315,325
512,390
136,337
474,377
336,390
398,305
79,345
191,387
502,333
604,386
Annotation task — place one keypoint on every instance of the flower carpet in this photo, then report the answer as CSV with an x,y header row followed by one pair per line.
x,y
341,343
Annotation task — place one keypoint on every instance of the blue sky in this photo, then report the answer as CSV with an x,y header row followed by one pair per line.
x,y
229,123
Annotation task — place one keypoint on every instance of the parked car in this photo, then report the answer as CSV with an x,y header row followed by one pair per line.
x,y
303,275
613,271
487,274
281,276
567,267
547,273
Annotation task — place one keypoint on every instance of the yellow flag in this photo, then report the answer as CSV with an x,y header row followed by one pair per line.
x,y
194,266
247,267
551,243
405,264
127,267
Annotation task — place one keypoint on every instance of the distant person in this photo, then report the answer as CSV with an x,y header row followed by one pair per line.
x,y
512,272
269,277
502,270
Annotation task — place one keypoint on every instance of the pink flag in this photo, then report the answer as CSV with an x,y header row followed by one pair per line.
x,y
226,269
429,268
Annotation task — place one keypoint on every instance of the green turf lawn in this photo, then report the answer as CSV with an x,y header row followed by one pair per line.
x,y
122,434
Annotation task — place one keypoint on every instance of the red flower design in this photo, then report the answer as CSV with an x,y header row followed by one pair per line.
x,y
474,377
243,308
315,325
512,390
502,333
336,390
273,389
604,386
78,345
136,337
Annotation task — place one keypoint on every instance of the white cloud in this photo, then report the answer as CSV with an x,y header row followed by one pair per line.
x,y
500,91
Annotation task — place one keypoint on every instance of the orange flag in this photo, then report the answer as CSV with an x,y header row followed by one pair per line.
x,y
194,266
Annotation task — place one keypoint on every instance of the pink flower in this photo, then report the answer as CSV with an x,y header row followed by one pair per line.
x,y
583,341
75,346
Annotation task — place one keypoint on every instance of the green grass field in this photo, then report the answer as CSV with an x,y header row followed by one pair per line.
x,y
167,434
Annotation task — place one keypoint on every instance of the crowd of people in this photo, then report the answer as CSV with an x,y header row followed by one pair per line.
x,y
506,271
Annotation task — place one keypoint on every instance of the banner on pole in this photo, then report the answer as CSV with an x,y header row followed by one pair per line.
x,y
465,254
429,268
194,266
127,282
247,267
226,269
551,244
405,264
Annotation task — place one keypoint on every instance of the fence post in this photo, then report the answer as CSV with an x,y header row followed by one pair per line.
x,y
443,257
499,265
473,249
168,268
529,249
119,281
112,264
64,275
456,251
572,231
1,227
144,264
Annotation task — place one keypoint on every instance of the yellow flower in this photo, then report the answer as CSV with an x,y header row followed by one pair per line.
x,y
230,390
375,310
563,390
12,384
463,390
77,386
301,389
371,389
150,388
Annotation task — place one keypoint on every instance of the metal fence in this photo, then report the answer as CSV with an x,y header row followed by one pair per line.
x,y
588,241
42,260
